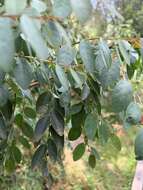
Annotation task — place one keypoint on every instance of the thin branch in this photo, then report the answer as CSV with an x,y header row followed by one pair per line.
x,y
44,18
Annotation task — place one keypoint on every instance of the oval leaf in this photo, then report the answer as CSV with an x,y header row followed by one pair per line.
x,y
121,96
78,151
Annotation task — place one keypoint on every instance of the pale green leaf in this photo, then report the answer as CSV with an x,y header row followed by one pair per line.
x,y
82,9
87,55
61,8
15,7
122,95
34,37
7,48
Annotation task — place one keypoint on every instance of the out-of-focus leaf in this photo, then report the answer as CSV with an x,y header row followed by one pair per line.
x,y
39,5
92,161
139,145
7,48
90,126
116,142
61,8
24,142
4,95
3,128
30,112
16,154
15,7
121,95
133,114
82,9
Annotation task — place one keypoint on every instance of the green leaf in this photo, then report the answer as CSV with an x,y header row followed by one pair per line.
x,y
77,79
95,153
90,126
61,8
27,129
125,49
3,128
23,73
52,34
15,7
62,78
87,55
66,55
103,57
122,95
78,151
34,37
10,164
7,48
109,77
74,133
133,114
30,112
57,121
39,5
16,154
92,161
24,142
41,127
43,101
116,142
52,150
2,77
38,156
139,145
4,95
103,133
82,9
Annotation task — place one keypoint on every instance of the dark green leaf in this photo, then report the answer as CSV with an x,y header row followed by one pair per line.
x,y
41,127
10,164
4,95
92,161
27,129
103,132
16,154
78,151
95,153
30,112
52,150
38,156
3,128
43,100
57,122
74,133
139,145
24,142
